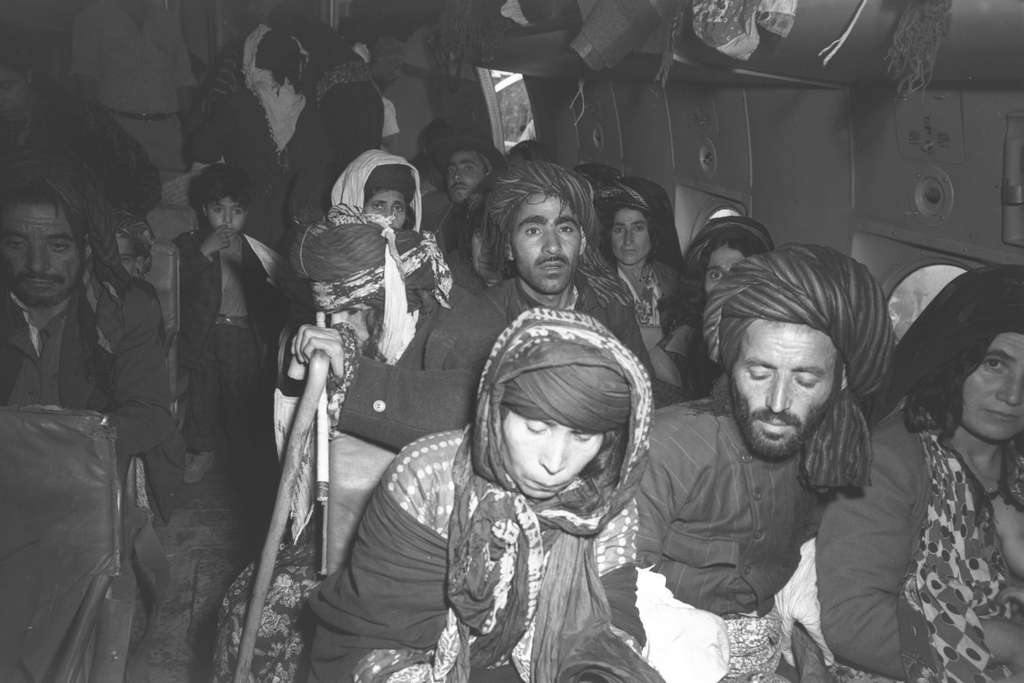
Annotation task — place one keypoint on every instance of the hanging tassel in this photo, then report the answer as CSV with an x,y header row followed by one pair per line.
x,y
394,334
668,52
922,27
838,454
830,50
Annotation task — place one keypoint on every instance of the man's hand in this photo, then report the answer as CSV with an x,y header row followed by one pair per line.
x,y
798,602
310,339
217,240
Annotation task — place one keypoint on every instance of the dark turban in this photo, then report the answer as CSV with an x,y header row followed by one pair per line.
x,y
572,389
344,257
975,307
511,189
830,292
395,177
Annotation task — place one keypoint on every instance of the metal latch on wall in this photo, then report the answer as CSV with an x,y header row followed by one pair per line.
x,y
1013,180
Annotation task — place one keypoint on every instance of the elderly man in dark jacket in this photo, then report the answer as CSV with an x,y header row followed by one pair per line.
x,y
542,217
77,330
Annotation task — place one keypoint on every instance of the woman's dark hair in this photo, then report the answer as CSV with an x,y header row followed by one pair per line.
x,y
936,401
279,53
748,245
530,150
603,471
219,181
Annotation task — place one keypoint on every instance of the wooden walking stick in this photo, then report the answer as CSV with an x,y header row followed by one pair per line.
x,y
316,380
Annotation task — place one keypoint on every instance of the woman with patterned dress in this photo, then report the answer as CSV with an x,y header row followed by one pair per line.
x,y
506,551
911,571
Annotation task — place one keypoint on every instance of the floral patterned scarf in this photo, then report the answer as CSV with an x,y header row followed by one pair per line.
x,y
956,574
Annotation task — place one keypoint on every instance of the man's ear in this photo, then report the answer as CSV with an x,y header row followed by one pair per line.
x,y
844,382
583,242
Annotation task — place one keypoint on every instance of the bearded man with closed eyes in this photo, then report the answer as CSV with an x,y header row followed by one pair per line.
x,y
729,499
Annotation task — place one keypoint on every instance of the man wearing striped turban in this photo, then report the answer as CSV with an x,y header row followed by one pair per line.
x,y
542,214
804,336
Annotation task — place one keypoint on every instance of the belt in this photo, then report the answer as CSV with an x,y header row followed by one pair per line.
x,y
233,320
142,117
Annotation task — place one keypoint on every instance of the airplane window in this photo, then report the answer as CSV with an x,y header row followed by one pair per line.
x,y
916,290
512,108
722,212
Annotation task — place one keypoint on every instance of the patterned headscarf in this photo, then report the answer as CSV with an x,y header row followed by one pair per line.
x,y
513,186
137,231
830,292
499,584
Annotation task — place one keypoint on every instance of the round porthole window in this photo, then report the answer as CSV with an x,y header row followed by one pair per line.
x,y
723,212
915,292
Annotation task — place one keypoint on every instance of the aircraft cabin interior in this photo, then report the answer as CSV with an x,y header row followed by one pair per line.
x,y
889,130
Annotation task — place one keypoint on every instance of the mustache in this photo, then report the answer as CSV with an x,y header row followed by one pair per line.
x,y
46,277
553,259
783,418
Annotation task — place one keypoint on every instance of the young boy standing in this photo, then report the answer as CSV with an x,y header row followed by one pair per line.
x,y
231,315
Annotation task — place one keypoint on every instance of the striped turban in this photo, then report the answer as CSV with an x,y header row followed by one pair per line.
x,y
827,291
512,187
354,260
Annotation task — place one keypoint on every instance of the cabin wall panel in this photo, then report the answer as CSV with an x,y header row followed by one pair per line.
x,y
801,165
646,131
886,174
596,118
420,97
710,119
553,122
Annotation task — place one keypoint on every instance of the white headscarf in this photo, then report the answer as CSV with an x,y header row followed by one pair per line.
x,y
281,103
349,187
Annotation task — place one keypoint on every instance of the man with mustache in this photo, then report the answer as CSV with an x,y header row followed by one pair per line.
x,y
729,497
75,330
466,160
541,217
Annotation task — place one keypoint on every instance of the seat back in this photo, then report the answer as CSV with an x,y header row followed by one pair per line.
x,y
164,276
356,468
61,540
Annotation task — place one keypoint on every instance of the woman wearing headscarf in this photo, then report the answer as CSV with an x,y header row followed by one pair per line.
x,y
716,247
638,239
505,551
269,129
378,286
381,184
910,567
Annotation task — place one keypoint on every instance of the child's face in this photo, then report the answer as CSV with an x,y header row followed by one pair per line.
x,y
389,204
226,213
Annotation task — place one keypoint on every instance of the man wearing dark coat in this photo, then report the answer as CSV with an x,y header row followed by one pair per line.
x,y
543,215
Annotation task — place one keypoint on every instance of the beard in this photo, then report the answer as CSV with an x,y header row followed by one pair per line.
x,y
771,447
